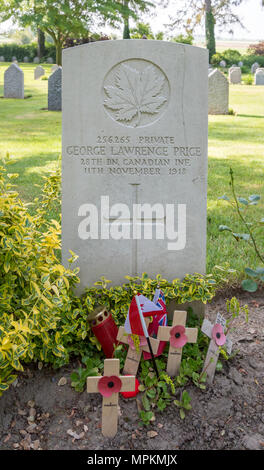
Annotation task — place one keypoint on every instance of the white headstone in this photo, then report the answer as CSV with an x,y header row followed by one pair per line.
x,y
49,60
222,63
234,75
134,132
26,59
14,82
36,60
259,77
2,59
240,63
218,95
254,67
54,90
38,72
54,67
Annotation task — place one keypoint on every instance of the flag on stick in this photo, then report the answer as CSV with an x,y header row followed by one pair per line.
x,y
135,323
159,319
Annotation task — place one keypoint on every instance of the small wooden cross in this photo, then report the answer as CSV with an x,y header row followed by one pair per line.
x,y
168,333
213,349
133,357
110,402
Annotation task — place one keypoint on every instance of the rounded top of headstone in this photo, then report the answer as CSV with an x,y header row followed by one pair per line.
x,y
49,60
222,63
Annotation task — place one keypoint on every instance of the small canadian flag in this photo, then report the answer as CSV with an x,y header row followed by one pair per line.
x,y
133,323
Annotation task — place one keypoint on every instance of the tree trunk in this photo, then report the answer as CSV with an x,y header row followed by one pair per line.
x,y
126,30
41,44
58,53
209,28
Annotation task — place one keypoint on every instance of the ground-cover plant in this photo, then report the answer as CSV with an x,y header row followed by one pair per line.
x,y
39,316
253,233
118,298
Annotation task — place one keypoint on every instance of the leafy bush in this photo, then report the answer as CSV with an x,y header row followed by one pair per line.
x,y
39,315
231,56
183,39
21,51
118,298
256,49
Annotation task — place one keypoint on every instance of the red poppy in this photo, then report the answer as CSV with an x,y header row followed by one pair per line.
x,y
218,334
178,337
109,385
134,392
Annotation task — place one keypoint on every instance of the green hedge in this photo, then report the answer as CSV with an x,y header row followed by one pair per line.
x,y
20,51
232,56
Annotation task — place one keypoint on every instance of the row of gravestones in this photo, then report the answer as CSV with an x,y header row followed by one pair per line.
x,y
26,59
254,66
223,64
234,75
14,85
218,86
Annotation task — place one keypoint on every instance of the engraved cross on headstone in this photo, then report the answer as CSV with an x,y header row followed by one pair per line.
x,y
136,222
166,333
213,349
134,356
111,380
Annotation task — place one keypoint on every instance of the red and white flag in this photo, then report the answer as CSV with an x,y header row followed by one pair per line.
x,y
133,323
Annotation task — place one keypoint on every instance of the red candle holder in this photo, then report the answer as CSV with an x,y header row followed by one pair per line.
x,y
104,328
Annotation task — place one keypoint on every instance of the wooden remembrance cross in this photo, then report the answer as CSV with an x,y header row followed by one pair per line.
x,y
110,380
133,357
214,349
165,334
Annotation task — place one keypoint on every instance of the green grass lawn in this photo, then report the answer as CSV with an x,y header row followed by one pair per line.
x,y
31,134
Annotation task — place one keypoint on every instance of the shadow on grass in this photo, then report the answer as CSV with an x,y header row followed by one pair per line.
x,y
257,116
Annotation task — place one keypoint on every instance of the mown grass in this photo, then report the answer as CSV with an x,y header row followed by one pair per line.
x,y
31,134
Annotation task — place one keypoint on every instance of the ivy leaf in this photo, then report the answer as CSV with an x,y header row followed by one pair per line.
x,y
134,93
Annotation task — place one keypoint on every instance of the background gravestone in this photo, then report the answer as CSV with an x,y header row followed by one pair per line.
x,y
54,67
14,82
26,59
49,60
222,63
38,72
259,77
14,59
134,129
218,93
36,60
54,90
254,67
235,75
2,59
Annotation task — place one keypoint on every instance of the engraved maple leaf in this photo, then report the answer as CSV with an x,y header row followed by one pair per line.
x,y
134,93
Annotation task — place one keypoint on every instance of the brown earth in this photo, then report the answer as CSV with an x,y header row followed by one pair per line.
x,y
37,413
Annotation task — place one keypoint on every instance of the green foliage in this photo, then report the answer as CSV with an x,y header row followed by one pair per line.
x,y
209,31
231,56
144,29
93,367
183,39
40,318
253,232
118,298
184,403
29,50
